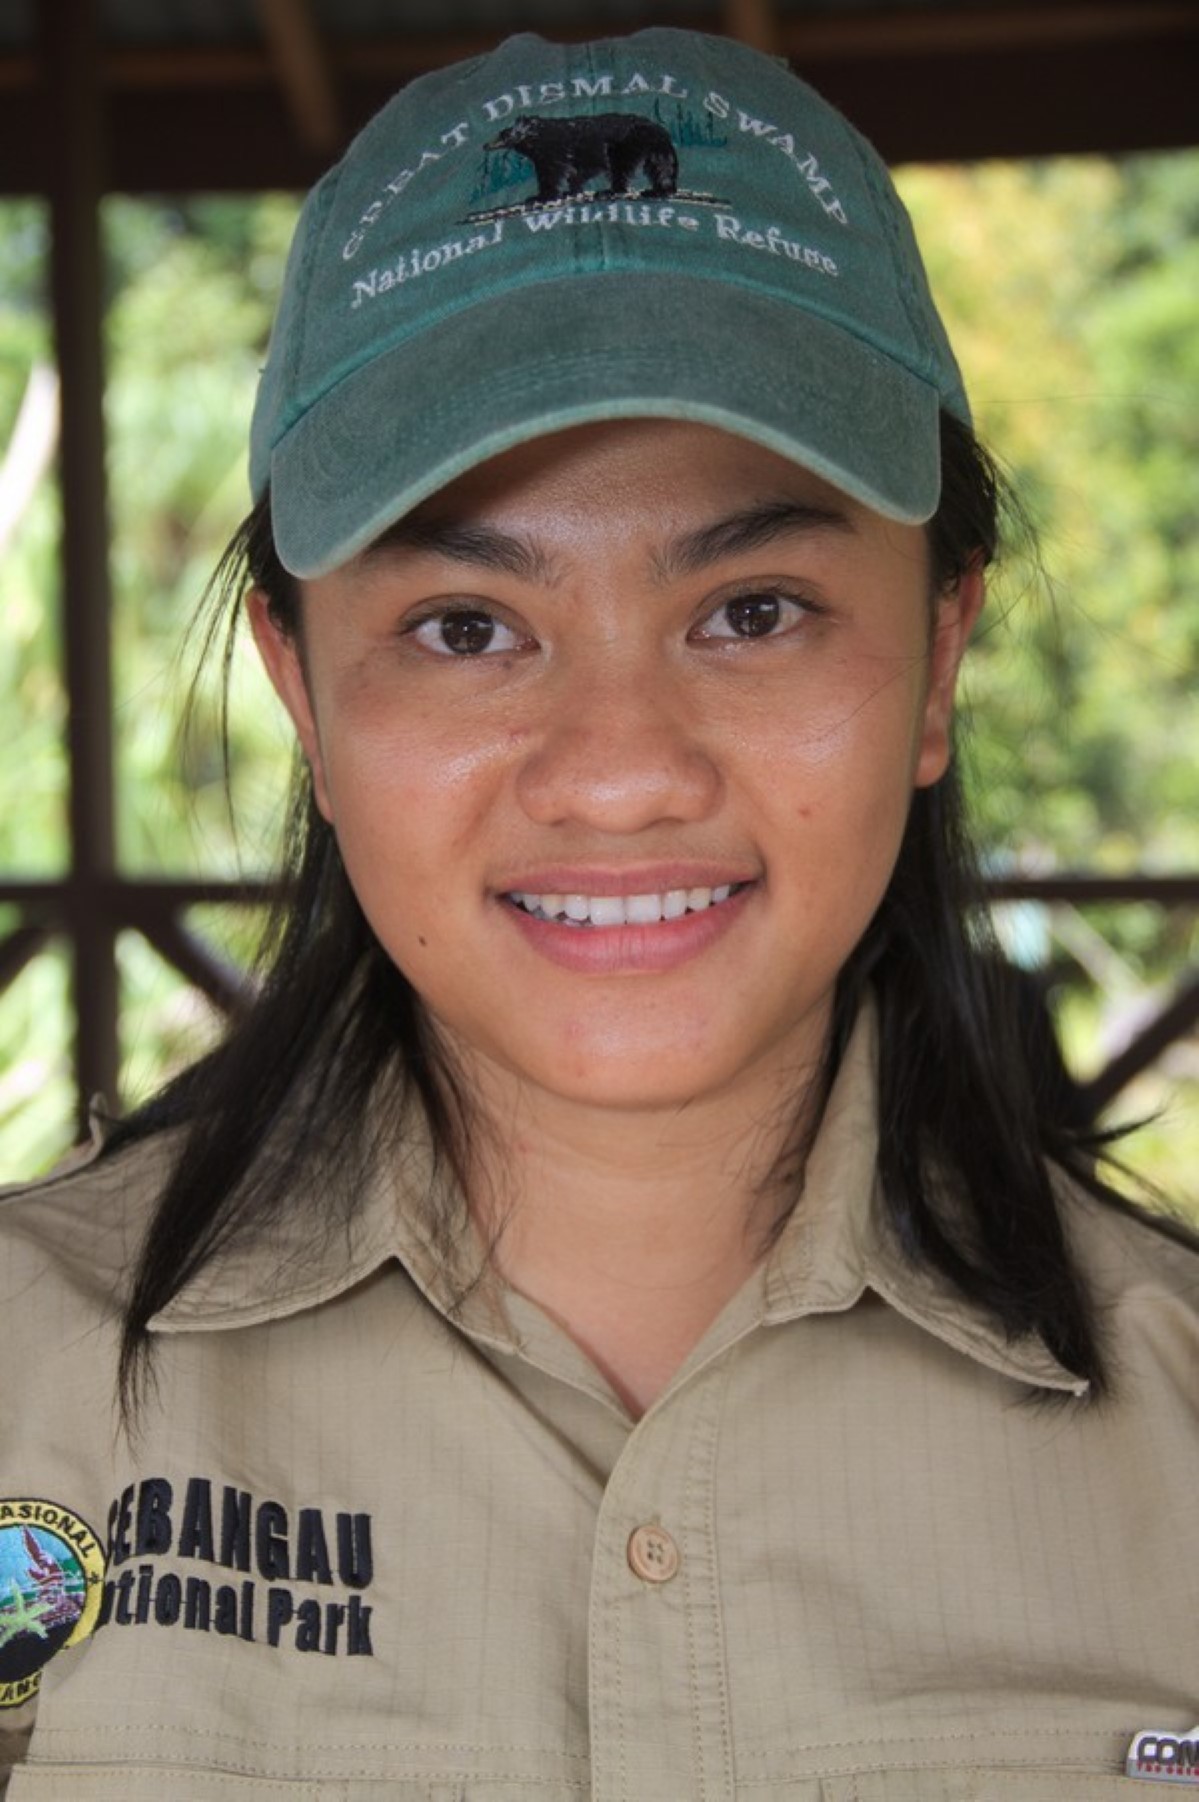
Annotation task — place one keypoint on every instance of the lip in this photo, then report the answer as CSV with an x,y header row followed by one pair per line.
x,y
628,950
627,879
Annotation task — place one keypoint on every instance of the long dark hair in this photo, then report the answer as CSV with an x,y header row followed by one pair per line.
x,y
967,1106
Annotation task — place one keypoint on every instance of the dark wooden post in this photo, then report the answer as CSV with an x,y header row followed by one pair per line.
x,y
74,128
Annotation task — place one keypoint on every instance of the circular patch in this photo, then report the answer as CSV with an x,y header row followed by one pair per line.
x,y
51,1579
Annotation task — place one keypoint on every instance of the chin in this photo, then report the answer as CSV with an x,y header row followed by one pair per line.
x,y
615,1090
661,1077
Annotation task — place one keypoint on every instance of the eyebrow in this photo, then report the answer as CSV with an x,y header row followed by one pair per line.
x,y
750,529
483,547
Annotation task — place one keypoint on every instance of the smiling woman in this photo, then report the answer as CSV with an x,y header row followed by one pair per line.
x,y
703,703
585,1296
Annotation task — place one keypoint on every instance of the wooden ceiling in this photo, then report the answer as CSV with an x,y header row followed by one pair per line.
x,y
245,94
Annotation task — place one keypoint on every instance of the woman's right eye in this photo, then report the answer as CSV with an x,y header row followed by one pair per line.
x,y
464,632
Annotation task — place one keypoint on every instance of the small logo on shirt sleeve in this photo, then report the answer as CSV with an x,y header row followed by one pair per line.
x,y
1162,1756
51,1572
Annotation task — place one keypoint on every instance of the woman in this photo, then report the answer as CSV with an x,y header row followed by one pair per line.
x,y
622,1300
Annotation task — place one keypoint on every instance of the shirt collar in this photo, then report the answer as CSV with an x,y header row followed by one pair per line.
x,y
837,1244
839,1241
410,1209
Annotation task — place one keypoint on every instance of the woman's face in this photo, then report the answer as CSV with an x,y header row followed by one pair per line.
x,y
618,734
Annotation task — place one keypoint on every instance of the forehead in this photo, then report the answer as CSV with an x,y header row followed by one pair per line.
x,y
632,504
671,497
665,464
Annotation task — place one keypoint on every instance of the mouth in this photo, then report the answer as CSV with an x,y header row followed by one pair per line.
x,y
591,912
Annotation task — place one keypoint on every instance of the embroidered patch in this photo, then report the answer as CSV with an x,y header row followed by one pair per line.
x,y
160,1531
1165,1757
630,156
51,1572
613,148
548,175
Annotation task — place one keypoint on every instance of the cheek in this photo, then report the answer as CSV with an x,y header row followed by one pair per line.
x,y
401,765
856,734
410,798
844,773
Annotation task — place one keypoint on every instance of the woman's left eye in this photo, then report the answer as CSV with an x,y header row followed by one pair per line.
x,y
464,632
763,614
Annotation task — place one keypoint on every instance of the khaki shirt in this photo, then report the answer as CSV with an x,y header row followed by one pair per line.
x,y
361,1549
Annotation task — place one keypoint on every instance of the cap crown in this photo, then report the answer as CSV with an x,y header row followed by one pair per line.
x,y
520,168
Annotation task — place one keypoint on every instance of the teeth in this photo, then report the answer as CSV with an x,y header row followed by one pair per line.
x,y
622,910
607,910
640,910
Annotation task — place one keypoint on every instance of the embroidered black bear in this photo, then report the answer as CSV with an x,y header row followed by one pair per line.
x,y
567,154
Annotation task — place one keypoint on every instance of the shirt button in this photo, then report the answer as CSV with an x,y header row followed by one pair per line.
x,y
653,1555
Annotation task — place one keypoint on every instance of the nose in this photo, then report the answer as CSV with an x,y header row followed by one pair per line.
x,y
619,751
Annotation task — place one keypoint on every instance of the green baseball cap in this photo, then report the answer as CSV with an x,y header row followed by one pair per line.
x,y
666,224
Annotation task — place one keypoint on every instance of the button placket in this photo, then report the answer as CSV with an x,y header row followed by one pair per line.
x,y
658,1691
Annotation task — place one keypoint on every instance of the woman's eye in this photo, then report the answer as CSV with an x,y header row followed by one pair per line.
x,y
762,615
464,632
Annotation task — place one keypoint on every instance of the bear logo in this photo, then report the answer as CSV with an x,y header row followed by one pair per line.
x,y
568,154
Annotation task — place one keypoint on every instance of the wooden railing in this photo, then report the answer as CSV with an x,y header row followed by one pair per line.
x,y
51,911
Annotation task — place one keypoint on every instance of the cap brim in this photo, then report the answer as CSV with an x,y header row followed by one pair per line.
x,y
566,352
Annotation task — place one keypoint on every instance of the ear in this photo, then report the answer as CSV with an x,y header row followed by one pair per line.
x,y
280,653
957,609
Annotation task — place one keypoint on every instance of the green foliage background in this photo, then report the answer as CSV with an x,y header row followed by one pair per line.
x,y
1071,290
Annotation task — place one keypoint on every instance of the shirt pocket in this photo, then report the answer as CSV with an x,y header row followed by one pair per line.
x,y
176,1783
152,1783
973,1784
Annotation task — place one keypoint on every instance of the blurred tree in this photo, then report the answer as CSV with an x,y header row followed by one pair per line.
x,y
193,289
33,833
1071,289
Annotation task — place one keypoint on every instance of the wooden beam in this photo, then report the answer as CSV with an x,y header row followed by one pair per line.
x,y
915,30
1175,1021
230,990
302,68
74,127
753,22
1105,99
152,905
1084,890
140,901
924,83
18,72
906,30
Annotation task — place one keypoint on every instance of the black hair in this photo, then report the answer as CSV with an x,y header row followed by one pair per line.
x,y
973,1101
